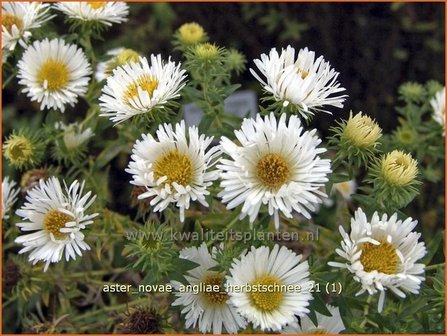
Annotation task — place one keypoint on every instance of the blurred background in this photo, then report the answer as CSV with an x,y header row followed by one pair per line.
x,y
375,46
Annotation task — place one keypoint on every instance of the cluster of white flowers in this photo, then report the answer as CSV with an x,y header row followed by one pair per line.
x,y
235,304
277,164
272,164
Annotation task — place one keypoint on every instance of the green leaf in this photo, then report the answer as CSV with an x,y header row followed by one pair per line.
x,y
433,247
111,150
318,305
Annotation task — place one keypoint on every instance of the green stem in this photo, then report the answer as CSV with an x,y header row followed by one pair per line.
x,y
114,308
366,311
434,267
227,228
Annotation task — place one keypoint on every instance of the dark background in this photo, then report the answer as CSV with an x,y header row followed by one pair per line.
x,y
375,46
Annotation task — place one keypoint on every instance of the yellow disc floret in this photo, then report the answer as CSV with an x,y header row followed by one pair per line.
x,y
145,82
54,221
269,299
273,170
381,258
212,280
176,166
53,74
10,20
97,4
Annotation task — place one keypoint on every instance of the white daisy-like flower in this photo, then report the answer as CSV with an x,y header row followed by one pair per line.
x,y
209,306
346,188
9,196
104,12
325,324
54,73
174,167
18,19
383,254
57,217
276,164
307,83
116,57
269,287
138,88
438,105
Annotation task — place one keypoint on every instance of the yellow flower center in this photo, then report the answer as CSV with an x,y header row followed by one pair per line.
x,y
18,149
267,300
124,57
214,297
97,4
362,131
381,258
54,73
54,221
176,166
273,170
398,168
147,83
10,20
191,33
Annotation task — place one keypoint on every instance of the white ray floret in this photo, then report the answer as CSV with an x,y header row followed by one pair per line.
x,y
138,88
9,196
104,12
275,163
175,167
19,18
57,217
54,73
210,310
325,324
438,105
307,83
270,287
382,255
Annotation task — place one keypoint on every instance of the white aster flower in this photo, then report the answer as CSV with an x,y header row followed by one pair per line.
x,y
269,287
18,19
325,324
382,254
208,308
438,105
54,73
304,82
138,88
104,12
9,196
116,57
276,164
174,167
57,218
